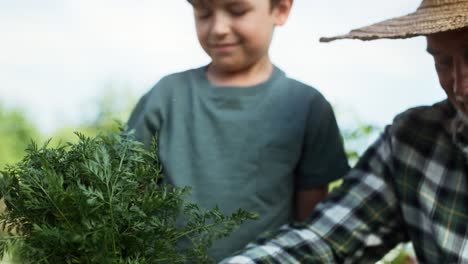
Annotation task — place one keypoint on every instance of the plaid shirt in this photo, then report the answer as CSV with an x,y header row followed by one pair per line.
x,y
410,185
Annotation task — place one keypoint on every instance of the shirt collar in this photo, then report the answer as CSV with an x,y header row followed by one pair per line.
x,y
459,132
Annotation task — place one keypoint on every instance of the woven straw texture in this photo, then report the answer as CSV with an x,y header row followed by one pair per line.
x,y
431,17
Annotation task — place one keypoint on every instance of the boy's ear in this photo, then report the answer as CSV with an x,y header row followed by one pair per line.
x,y
281,11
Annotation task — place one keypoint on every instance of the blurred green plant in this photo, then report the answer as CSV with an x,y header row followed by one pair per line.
x,y
16,131
358,139
112,106
100,200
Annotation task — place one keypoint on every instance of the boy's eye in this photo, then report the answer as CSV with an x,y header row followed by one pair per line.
x,y
202,13
238,11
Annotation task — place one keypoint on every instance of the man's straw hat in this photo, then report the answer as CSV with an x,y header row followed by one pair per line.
x,y
431,17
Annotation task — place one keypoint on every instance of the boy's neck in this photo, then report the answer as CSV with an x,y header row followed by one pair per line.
x,y
255,74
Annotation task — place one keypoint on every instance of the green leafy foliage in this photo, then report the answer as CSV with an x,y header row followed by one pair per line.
x,y
358,139
113,104
101,200
16,131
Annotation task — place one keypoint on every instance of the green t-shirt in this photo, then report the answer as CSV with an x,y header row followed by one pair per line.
x,y
242,147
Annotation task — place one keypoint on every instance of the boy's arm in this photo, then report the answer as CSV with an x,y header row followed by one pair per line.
x,y
306,201
145,118
322,161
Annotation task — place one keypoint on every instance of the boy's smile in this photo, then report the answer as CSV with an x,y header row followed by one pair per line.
x,y
223,47
220,48
236,34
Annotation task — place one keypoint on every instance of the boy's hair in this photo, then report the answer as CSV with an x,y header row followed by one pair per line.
x,y
273,3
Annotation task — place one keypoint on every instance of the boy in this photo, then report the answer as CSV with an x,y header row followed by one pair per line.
x,y
238,131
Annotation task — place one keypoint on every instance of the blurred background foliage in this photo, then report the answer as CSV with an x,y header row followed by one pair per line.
x,y
17,129
16,132
113,107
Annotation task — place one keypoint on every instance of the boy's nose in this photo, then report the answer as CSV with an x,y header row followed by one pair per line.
x,y
220,25
460,80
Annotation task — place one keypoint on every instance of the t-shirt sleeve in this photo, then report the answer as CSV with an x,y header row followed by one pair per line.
x,y
323,158
145,118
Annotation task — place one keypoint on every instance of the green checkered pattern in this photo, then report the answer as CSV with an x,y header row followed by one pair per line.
x,y
410,185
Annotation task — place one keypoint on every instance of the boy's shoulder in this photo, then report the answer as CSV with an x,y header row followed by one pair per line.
x,y
297,88
175,82
177,77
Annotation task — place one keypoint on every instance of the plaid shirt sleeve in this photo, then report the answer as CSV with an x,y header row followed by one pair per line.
x,y
349,226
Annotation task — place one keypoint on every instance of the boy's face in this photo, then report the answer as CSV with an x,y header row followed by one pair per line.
x,y
236,34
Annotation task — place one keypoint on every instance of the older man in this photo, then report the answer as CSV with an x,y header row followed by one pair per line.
x,y
412,183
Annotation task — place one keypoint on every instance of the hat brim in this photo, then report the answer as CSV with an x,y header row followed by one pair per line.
x,y
423,22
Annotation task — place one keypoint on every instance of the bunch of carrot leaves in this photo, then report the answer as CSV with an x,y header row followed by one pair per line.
x,y
101,200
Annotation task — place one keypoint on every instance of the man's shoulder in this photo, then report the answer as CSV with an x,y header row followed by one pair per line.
x,y
425,119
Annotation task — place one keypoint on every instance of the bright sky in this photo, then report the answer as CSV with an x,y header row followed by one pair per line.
x,y
57,56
